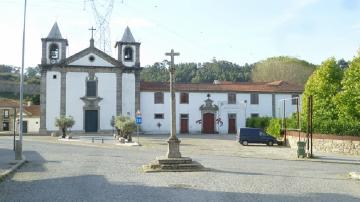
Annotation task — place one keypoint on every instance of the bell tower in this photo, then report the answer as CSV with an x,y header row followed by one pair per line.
x,y
53,47
128,50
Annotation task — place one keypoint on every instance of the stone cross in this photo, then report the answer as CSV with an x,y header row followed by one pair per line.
x,y
172,54
174,143
92,31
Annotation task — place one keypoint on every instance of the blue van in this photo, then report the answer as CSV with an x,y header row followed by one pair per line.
x,y
254,135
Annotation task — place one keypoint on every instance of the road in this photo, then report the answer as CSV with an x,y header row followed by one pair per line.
x,y
70,172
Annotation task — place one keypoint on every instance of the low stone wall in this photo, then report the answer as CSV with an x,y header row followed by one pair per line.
x,y
327,143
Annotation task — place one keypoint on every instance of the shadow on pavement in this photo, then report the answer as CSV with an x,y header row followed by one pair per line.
x,y
98,188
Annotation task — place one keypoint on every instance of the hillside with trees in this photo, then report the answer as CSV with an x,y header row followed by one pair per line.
x,y
282,68
198,72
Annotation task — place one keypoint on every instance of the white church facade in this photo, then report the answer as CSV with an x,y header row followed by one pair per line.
x,y
92,87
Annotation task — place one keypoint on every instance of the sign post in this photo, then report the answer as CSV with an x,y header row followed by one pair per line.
x,y
138,123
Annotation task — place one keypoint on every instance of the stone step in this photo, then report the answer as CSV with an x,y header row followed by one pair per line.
x,y
164,160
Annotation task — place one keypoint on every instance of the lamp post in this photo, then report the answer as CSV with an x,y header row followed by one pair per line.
x,y
18,147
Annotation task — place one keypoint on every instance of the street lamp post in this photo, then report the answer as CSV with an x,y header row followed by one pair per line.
x,y
18,147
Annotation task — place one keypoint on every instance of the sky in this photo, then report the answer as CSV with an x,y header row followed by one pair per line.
x,y
239,31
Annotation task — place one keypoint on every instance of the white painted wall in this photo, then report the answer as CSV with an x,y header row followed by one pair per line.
x,y
52,99
33,124
289,107
196,99
128,94
264,108
129,63
84,61
75,89
107,91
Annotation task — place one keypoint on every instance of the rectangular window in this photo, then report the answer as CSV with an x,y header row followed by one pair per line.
x,y
159,98
293,100
231,98
91,88
158,116
254,99
253,115
184,116
232,116
6,113
184,98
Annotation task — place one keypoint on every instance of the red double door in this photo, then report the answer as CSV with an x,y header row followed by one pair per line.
x,y
208,123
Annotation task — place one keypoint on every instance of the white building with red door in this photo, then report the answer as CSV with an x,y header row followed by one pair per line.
x,y
221,107
92,87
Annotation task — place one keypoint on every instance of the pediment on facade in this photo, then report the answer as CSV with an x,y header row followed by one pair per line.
x,y
92,57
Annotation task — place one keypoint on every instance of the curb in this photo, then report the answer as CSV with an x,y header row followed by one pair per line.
x,y
355,175
12,169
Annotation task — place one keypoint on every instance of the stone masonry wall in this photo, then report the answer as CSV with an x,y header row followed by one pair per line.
x,y
14,87
327,143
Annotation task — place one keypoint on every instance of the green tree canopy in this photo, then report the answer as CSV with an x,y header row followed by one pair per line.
x,y
323,85
282,68
349,98
198,73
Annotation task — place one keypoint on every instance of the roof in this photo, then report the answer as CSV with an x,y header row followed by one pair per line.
x,y
127,36
9,103
34,110
55,32
272,87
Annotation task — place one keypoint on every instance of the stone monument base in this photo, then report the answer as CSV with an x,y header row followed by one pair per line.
x,y
182,164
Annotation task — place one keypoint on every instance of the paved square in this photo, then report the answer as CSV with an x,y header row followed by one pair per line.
x,y
85,171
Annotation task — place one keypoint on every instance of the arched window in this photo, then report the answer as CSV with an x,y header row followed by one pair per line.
x,y
128,54
54,51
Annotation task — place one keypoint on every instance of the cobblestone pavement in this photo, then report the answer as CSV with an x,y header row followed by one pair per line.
x,y
85,171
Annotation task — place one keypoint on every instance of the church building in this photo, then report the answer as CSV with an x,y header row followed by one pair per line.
x,y
92,87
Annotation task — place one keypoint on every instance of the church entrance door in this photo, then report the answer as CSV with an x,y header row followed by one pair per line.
x,y
208,123
91,120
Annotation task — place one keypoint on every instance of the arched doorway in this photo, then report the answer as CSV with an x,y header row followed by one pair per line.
x,y
208,114
208,123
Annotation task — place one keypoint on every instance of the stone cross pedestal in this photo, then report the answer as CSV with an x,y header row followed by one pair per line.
x,y
173,162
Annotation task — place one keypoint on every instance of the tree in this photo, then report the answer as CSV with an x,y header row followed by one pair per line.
x,y
35,99
349,98
323,85
63,123
32,75
343,64
282,68
198,73
125,126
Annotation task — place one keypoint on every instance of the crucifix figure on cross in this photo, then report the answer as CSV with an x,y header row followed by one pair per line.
x,y
92,31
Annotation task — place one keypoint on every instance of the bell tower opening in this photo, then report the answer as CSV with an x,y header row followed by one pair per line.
x,y
54,51
128,56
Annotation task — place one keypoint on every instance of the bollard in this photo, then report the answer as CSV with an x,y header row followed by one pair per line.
x,y
92,139
102,140
18,150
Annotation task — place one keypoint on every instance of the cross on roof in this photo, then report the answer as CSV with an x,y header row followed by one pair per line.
x,y
92,31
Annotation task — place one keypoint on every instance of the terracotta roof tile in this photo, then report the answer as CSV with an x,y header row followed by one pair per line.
x,y
9,103
272,87
34,110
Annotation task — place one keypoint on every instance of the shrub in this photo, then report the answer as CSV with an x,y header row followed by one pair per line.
x,y
125,126
64,122
258,122
274,127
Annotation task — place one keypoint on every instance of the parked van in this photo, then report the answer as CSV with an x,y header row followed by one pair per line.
x,y
254,135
